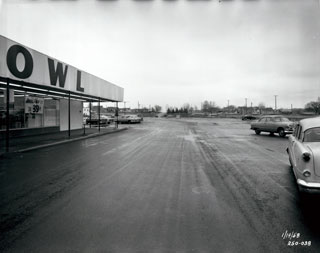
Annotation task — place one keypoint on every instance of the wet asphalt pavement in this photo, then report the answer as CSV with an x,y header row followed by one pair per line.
x,y
166,185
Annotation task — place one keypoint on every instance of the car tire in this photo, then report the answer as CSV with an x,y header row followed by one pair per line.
x,y
281,132
257,131
304,197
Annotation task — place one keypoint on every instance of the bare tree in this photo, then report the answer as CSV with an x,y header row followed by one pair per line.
x,y
314,106
157,108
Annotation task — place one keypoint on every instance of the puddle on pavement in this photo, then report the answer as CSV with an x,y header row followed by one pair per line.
x,y
201,189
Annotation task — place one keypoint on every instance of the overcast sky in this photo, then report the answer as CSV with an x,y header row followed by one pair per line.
x,y
173,52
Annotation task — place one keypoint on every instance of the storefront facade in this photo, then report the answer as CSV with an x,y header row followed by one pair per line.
x,y
42,93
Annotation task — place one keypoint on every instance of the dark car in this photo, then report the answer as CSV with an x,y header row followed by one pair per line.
x,y
248,117
273,124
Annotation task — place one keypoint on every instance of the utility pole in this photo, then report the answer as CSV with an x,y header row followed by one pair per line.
x,y
275,102
228,106
246,104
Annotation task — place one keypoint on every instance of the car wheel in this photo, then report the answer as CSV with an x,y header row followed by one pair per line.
x,y
281,132
257,131
304,197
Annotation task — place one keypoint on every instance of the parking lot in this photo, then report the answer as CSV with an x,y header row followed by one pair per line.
x,y
165,185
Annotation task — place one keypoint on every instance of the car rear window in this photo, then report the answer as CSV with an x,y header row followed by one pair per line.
x,y
312,135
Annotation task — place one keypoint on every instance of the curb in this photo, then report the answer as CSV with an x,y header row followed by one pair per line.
x,y
68,141
65,141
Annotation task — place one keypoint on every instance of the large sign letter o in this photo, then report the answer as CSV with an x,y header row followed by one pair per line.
x,y
12,62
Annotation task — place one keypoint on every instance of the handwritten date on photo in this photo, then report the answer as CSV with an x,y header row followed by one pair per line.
x,y
296,243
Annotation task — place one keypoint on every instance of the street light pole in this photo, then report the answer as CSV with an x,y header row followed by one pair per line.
x,y
117,115
275,102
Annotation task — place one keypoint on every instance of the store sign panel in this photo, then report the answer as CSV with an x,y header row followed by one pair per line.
x,y
22,63
34,105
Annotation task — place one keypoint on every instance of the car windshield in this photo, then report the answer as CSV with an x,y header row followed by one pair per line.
x,y
312,135
285,119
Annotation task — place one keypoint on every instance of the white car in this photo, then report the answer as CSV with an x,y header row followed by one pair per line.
x,y
304,154
104,120
127,119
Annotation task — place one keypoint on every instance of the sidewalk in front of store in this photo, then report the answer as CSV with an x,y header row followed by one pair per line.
x,y
28,143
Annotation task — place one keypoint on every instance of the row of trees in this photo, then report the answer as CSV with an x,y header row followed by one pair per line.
x,y
210,107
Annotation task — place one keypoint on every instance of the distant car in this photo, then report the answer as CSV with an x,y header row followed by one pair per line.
x,y
108,118
104,120
140,116
248,117
304,154
273,124
127,119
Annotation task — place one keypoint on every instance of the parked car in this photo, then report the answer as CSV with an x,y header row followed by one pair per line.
x,y
109,118
104,120
304,154
127,119
140,116
248,117
273,124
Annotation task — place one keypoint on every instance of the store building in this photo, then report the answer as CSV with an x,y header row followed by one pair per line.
x,y
40,94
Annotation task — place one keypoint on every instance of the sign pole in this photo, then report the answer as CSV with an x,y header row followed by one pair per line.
x,y
117,115
99,114
90,113
7,117
69,114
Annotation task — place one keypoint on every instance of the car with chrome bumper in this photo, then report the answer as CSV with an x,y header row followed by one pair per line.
x,y
128,119
304,154
104,120
273,124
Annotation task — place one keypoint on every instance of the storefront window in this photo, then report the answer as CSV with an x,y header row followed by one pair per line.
x,y
16,109
41,111
51,112
34,110
28,110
